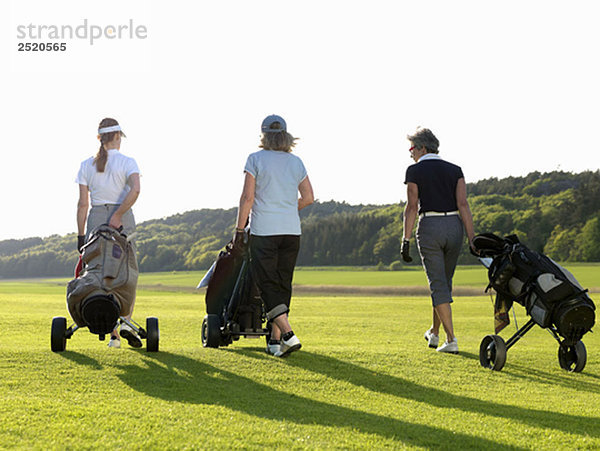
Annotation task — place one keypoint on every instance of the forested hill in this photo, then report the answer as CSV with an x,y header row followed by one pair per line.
x,y
557,213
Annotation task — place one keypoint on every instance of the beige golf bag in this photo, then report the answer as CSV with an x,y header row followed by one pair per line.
x,y
105,288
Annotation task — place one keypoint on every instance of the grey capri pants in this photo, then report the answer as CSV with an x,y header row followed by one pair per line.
x,y
439,239
100,214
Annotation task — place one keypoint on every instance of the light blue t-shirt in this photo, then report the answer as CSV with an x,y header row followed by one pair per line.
x,y
275,208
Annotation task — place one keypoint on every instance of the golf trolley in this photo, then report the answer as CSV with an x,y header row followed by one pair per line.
x,y
103,291
552,297
102,325
233,304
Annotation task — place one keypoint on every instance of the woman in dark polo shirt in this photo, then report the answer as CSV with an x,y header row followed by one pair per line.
x,y
437,192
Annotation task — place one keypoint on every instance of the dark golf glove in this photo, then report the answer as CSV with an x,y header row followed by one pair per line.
x,y
405,251
80,242
238,239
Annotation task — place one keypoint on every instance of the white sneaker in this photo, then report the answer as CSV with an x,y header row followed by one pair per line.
x,y
131,336
114,342
289,346
273,349
432,339
450,347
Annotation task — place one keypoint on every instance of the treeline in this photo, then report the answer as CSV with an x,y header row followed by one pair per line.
x,y
557,213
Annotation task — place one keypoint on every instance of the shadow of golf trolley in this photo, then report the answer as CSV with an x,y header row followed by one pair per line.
x,y
551,295
103,291
233,304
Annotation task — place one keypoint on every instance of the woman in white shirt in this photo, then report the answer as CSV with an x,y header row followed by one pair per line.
x,y
111,181
270,196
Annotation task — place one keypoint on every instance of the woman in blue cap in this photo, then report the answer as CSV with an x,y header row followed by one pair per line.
x,y
273,178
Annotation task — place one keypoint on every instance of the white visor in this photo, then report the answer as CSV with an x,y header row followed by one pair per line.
x,y
113,128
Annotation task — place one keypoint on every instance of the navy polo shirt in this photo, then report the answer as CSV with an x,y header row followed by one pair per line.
x,y
436,180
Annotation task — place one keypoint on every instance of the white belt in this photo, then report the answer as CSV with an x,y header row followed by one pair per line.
x,y
438,213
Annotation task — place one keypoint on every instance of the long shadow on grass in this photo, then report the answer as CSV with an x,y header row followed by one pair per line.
x,y
565,379
469,355
175,377
81,359
396,386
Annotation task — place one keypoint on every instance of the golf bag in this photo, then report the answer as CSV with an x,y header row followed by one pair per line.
x,y
105,290
552,297
233,304
231,291
223,278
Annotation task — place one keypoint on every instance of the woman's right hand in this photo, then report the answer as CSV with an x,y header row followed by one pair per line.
x,y
238,237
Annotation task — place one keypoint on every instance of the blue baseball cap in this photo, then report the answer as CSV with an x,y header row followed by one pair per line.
x,y
273,124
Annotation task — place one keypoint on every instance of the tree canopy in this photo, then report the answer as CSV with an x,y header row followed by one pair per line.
x,y
557,213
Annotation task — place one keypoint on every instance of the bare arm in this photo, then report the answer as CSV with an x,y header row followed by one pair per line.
x,y
307,196
134,184
82,208
411,209
464,209
246,201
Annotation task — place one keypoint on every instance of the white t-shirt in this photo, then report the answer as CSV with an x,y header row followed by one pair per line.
x,y
110,186
275,208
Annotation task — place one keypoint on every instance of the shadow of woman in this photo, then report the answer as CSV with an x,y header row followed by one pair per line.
x,y
179,378
405,389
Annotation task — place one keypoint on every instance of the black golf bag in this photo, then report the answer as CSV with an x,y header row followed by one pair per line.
x,y
551,295
234,307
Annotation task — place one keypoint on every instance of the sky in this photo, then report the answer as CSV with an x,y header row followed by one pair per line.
x,y
507,87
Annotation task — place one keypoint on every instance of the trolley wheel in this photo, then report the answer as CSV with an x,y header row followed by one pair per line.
x,y
152,334
573,357
211,331
492,352
58,338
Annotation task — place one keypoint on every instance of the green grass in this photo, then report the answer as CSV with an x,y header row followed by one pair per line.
x,y
364,379
470,276
588,275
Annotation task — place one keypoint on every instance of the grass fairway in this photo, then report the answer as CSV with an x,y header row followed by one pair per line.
x,y
364,379
588,275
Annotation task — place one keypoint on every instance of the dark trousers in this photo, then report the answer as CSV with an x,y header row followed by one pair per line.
x,y
272,261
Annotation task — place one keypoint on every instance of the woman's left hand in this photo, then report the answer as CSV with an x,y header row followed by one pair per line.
x,y
473,248
115,221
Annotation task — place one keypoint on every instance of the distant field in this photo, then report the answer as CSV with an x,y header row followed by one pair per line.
x,y
474,277
364,379
467,276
